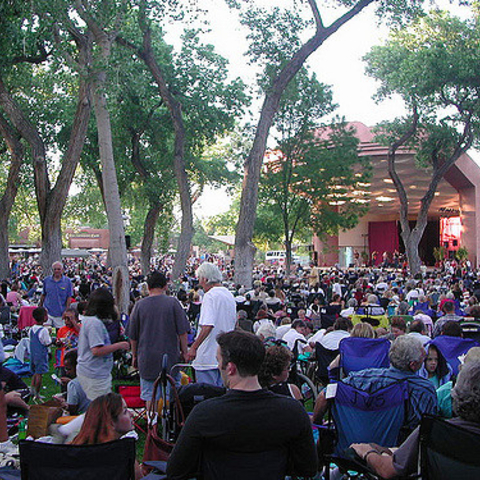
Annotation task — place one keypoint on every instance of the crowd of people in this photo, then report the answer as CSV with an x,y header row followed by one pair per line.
x,y
243,338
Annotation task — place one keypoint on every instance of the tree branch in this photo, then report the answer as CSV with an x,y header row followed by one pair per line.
x,y
392,151
35,59
316,14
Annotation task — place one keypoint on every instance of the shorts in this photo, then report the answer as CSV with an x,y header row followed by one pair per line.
x,y
146,388
212,377
39,365
95,387
55,322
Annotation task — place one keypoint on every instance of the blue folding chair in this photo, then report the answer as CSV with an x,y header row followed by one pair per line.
x,y
452,348
361,417
358,353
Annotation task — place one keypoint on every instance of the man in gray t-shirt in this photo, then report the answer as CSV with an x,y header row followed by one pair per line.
x,y
158,325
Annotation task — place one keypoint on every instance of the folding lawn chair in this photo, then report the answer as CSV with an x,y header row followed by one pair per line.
x,y
452,348
471,329
113,461
448,451
361,417
360,353
324,358
131,395
194,393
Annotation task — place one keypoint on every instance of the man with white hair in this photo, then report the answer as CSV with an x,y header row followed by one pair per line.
x,y
406,357
404,461
57,295
217,315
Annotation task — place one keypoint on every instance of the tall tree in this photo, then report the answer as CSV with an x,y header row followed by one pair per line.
x,y
17,99
276,42
104,22
16,151
309,179
201,105
315,183
435,67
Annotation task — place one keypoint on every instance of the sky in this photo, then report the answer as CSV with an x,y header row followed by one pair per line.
x,y
338,62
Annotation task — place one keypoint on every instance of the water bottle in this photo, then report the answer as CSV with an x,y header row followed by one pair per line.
x,y
22,430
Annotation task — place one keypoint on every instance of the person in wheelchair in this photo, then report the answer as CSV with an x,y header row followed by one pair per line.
x,y
404,460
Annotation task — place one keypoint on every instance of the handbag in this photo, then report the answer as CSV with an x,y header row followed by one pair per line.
x,y
159,448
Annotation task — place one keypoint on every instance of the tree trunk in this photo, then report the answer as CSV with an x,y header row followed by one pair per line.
x,y
148,236
288,251
57,196
411,242
51,242
179,164
52,201
118,247
412,237
244,248
16,150
4,243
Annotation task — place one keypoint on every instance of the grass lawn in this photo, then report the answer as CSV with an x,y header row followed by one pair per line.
x,y
50,388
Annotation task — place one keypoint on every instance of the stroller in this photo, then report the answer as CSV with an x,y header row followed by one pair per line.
x,y
174,406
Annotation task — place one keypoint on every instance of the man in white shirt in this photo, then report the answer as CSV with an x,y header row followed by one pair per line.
x,y
341,330
297,332
418,330
217,315
350,310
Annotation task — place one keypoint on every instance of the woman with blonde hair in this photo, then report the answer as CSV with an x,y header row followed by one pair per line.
x,y
362,330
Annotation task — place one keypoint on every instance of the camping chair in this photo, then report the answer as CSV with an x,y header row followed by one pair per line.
x,y
131,395
360,353
113,461
448,451
452,348
471,329
365,314
362,417
324,358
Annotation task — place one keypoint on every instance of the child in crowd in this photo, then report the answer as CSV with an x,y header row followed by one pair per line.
x,y
77,402
67,336
39,342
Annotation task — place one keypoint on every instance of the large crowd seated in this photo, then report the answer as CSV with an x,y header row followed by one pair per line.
x,y
365,329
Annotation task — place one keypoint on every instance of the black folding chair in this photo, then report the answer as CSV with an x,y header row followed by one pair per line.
x,y
113,461
324,358
471,329
448,451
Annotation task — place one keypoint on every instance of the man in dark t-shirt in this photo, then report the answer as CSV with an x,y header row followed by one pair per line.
x,y
248,433
158,326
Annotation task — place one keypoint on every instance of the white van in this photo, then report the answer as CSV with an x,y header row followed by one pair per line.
x,y
276,256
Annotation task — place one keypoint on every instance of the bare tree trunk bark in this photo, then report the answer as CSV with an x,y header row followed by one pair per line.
x,y
118,247
179,165
148,236
244,248
16,150
288,251
57,197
